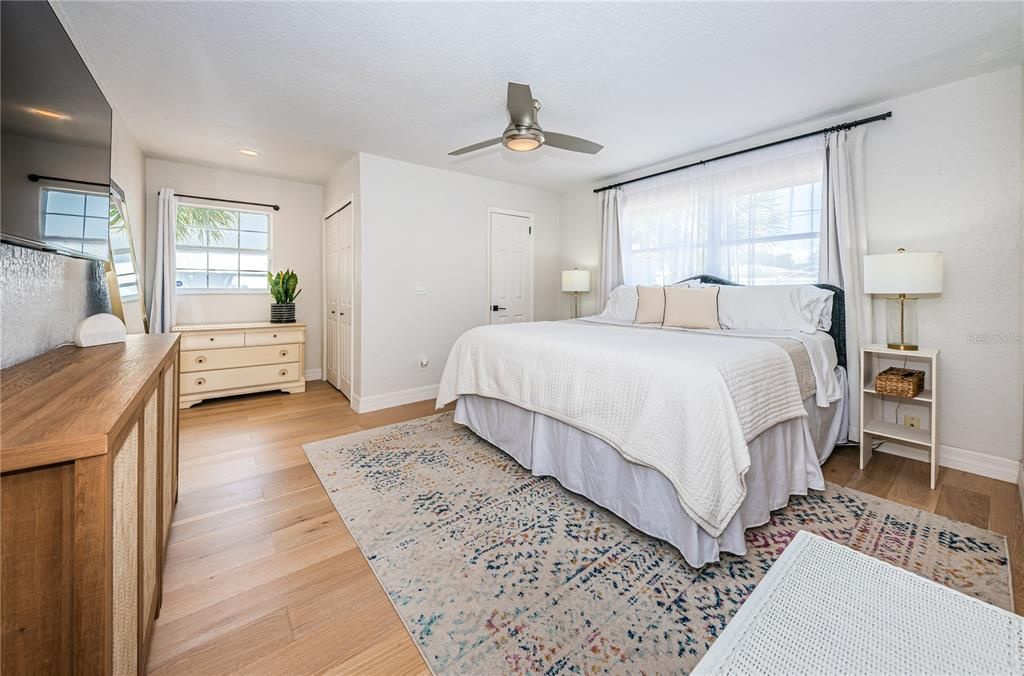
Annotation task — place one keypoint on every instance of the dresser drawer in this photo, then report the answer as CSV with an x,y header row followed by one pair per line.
x,y
275,336
235,357
211,381
206,341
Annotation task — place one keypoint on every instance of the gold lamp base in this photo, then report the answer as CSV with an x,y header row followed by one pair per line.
x,y
901,323
901,346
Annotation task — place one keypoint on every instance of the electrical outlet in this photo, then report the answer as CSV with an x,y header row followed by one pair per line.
x,y
912,421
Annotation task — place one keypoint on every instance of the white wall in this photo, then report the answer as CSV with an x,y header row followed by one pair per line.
x,y
295,243
944,173
579,220
420,224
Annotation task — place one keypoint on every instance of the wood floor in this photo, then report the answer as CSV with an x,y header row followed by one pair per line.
x,y
262,576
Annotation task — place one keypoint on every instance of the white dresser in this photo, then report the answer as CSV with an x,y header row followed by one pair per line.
x,y
219,360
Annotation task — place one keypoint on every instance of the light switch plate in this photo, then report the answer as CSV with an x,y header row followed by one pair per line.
x,y
420,289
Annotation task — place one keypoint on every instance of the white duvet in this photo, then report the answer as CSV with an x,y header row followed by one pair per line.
x,y
683,403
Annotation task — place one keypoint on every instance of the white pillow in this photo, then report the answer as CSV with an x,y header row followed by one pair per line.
x,y
803,308
621,305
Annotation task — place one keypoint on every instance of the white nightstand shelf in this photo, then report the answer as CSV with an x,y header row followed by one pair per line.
x,y
874,423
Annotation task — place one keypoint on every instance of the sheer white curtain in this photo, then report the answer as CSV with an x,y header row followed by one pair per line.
x,y
165,297
753,219
611,247
844,241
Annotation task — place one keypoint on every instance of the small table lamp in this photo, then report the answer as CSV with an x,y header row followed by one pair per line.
x,y
897,275
576,281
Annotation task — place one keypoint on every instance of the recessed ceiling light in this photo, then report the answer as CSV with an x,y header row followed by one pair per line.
x,y
249,152
42,112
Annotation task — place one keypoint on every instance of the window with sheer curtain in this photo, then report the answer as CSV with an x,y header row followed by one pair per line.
x,y
753,219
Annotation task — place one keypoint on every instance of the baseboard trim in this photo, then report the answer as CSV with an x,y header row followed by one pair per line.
x,y
376,402
962,459
314,374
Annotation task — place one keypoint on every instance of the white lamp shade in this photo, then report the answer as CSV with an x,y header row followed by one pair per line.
x,y
576,281
906,272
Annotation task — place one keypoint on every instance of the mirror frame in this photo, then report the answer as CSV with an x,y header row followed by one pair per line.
x,y
119,202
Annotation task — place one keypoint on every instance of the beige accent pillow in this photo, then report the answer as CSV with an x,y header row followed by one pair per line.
x,y
650,308
691,307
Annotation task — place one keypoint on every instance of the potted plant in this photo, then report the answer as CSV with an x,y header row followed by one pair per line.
x,y
284,287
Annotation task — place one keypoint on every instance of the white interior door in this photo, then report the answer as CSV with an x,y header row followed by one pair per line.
x,y
338,283
511,267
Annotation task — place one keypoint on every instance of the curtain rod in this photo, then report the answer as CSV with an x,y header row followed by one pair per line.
x,y
36,178
275,207
339,209
826,130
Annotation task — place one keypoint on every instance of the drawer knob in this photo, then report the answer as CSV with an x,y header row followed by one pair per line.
x,y
200,360
211,339
275,335
284,372
284,353
200,381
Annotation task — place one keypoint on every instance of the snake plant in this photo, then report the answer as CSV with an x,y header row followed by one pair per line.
x,y
284,286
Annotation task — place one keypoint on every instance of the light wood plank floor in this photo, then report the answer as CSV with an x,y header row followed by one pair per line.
x,y
263,577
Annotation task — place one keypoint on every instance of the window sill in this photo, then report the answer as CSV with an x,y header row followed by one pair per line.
x,y
223,292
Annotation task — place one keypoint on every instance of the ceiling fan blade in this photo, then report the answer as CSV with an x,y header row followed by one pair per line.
x,y
476,146
520,104
574,143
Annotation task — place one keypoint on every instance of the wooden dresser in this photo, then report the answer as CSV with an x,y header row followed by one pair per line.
x,y
219,360
88,481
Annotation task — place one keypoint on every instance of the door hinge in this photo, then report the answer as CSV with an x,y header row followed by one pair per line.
x,y
531,230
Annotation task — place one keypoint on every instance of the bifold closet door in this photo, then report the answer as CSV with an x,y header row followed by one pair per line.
x,y
338,269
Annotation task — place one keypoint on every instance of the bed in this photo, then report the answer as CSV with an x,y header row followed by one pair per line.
x,y
690,436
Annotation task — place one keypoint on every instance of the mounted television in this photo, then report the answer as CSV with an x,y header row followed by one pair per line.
x,y
55,138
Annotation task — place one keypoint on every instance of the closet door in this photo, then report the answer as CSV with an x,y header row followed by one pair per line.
x,y
345,288
331,344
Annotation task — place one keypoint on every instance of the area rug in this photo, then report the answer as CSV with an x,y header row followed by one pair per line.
x,y
494,570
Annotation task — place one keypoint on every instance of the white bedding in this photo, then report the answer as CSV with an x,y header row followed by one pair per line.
x,y
685,403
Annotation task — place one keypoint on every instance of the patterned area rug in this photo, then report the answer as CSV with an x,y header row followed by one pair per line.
x,y
495,570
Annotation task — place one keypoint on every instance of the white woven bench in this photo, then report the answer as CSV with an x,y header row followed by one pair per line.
x,y
826,609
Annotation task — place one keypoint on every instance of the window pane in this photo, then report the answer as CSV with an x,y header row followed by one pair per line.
x,y
64,226
223,280
97,206
249,280
785,262
65,202
222,238
205,217
96,228
123,263
223,260
252,240
191,279
253,261
190,236
256,222
195,260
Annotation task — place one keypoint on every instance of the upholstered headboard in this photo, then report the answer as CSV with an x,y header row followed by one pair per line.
x,y
838,330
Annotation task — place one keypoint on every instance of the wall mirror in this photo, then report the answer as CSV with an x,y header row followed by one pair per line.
x,y
126,293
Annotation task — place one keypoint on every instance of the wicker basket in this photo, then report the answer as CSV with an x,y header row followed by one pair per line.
x,y
900,382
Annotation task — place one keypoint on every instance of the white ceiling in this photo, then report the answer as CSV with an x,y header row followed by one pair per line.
x,y
307,84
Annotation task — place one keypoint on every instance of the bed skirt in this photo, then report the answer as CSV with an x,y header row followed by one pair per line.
x,y
784,460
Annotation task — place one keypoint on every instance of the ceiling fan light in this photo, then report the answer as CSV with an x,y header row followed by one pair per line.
x,y
523,144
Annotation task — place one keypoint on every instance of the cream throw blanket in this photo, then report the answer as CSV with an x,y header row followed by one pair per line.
x,y
682,403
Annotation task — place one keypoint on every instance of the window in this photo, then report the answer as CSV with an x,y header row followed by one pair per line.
x,y
77,220
222,249
752,219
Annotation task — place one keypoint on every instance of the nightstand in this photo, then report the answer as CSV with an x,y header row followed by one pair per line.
x,y
875,423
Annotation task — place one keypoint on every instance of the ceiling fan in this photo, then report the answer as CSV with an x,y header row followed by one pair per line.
x,y
523,132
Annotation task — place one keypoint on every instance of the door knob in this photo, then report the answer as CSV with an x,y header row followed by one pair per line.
x,y
495,308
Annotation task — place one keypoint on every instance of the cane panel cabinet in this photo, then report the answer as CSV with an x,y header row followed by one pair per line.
x,y
88,481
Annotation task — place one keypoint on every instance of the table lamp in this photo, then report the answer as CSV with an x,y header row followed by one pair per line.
x,y
576,281
898,276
